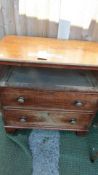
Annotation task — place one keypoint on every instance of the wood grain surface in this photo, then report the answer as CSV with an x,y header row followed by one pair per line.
x,y
50,99
21,50
49,106
47,119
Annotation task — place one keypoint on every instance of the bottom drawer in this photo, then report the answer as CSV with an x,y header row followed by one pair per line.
x,y
47,119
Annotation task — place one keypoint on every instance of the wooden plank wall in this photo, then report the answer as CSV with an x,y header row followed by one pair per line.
x,y
14,22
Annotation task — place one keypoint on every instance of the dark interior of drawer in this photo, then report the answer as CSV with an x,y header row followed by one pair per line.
x,y
47,78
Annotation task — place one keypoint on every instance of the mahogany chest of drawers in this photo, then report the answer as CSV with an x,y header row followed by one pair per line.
x,y
48,83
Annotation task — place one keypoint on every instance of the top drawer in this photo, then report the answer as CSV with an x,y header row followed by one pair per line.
x,y
49,99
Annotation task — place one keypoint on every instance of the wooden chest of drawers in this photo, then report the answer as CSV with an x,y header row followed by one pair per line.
x,y
52,95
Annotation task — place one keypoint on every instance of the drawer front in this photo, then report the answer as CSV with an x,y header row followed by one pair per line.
x,y
49,99
47,119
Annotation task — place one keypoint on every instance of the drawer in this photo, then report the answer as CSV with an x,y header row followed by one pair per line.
x,y
47,119
49,99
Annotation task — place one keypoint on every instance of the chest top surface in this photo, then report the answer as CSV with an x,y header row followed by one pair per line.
x,y
20,50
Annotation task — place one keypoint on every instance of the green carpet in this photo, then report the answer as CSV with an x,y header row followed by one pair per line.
x,y
15,155
74,155
75,151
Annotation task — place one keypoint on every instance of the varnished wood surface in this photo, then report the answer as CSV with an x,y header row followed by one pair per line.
x,y
49,99
47,119
44,51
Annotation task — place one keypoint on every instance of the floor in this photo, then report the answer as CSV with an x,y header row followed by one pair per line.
x,y
70,157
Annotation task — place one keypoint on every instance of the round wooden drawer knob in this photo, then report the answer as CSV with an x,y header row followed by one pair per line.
x,y
78,103
23,119
73,121
21,100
